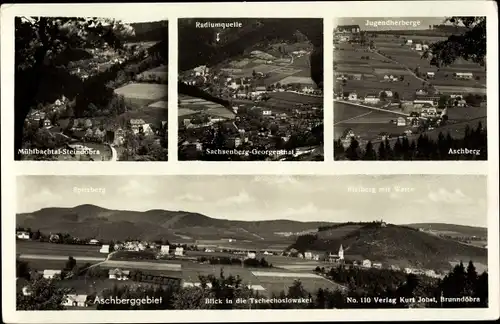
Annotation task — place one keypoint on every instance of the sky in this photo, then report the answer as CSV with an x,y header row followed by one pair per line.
x,y
449,199
410,23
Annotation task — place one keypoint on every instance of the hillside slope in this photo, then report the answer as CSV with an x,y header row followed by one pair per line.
x,y
395,244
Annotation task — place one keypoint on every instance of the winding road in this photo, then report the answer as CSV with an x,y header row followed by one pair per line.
x,y
114,153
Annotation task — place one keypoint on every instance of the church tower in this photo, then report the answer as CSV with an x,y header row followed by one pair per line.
x,y
341,252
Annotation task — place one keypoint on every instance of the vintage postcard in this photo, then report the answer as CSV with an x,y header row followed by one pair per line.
x,y
251,242
410,88
377,199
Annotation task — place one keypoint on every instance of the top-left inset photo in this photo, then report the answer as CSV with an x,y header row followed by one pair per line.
x,y
90,89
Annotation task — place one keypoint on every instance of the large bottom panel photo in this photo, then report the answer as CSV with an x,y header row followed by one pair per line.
x,y
251,242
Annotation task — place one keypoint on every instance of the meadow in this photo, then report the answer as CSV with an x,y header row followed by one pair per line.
x,y
45,248
142,94
160,72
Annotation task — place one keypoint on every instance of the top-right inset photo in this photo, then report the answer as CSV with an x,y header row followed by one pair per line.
x,y
410,88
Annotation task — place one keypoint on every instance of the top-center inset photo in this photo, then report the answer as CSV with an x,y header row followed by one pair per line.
x,y
250,89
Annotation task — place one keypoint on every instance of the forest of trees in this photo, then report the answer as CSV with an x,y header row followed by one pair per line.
x,y
424,148
461,281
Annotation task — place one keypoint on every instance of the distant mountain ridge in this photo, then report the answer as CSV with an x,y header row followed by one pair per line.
x,y
94,221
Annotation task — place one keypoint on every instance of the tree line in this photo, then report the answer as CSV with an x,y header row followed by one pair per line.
x,y
460,282
424,148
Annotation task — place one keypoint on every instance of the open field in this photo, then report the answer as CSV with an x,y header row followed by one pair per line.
x,y
464,114
44,264
150,91
292,97
339,232
456,130
53,257
43,248
148,114
480,267
141,94
297,79
160,72
159,104
88,286
365,122
279,283
141,44
344,113
395,60
271,279
146,265
104,152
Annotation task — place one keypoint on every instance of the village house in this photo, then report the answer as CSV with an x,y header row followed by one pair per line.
x,y
179,251
26,291
371,99
119,137
357,76
119,274
23,235
418,47
307,89
367,263
430,100
431,75
395,268
251,255
377,265
104,249
94,242
388,93
430,273
308,255
137,125
234,142
421,92
50,274
37,115
47,123
337,257
409,42
74,300
463,75
348,29
353,96
401,121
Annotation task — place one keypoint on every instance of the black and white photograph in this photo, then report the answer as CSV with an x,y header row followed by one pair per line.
x,y
251,242
410,88
250,89
90,89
